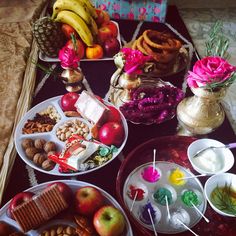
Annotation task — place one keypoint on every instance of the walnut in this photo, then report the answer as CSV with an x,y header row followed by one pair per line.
x,y
50,146
26,143
39,143
30,152
39,158
48,164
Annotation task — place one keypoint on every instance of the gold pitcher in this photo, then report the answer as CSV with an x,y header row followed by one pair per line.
x,y
121,85
72,78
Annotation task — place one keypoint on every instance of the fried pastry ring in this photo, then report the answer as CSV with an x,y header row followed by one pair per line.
x,y
166,42
139,45
163,56
134,45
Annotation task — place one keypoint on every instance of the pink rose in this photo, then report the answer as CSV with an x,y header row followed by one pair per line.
x,y
210,70
134,59
69,58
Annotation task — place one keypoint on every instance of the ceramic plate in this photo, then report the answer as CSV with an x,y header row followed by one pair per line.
x,y
54,137
153,193
74,185
50,59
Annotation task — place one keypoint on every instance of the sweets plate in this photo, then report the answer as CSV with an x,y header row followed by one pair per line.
x,y
179,193
74,185
52,135
153,102
56,59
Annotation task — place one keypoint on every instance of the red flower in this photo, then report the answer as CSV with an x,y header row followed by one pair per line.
x,y
69,58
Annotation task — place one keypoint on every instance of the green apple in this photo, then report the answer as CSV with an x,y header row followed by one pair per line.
x,y
109,221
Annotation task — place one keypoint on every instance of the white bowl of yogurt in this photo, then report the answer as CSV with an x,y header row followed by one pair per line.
x,y
211,161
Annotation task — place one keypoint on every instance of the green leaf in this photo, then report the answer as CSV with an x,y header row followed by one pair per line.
x,y
218,43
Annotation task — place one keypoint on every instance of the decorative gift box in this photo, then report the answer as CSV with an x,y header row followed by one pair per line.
x,y
147,10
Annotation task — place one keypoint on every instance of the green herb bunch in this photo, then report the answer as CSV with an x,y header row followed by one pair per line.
x,y
222,198
218,43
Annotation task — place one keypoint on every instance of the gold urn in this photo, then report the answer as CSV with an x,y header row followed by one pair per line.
x,y
121,85
72,78
202,113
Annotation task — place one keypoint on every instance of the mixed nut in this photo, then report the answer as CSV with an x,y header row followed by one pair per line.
x,y
38,150
60,230
43,121
70,127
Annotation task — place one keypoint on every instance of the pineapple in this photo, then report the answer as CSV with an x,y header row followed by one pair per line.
x,y
49,36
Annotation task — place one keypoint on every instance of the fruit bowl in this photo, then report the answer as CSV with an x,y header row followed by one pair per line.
x,y
54,136
67,218
45,58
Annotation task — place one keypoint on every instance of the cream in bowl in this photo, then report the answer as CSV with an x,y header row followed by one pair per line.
x,y
211,161
220,192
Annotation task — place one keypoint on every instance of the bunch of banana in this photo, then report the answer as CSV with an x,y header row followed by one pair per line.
x,y
79,14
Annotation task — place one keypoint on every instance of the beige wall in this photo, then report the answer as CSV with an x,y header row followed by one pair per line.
x,y
203,3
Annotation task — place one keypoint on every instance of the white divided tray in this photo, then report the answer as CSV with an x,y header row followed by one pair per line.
x,y
51,136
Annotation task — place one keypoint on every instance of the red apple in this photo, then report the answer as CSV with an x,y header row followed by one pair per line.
x,y
64,189
109,221
112,133
68,101
88,200
112,26
19,199
79,47
6,229
104,33
111,47
68,31
113,114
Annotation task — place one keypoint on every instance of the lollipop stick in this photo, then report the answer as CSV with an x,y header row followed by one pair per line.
x,y
132,205
154,159
154,229
187,227
207,220
191,177
167,207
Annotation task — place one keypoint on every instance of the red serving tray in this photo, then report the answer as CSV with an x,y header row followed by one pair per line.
x,y
172,149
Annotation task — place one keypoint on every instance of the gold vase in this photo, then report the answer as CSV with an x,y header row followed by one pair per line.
x,y
121,85
202,113
72,78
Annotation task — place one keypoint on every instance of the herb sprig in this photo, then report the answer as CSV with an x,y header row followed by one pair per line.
x,y
218,43
222,84
223,200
